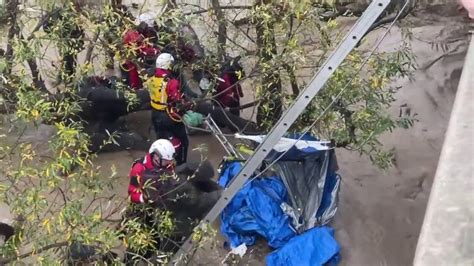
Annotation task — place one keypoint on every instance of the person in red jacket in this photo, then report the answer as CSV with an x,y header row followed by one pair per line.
x,y
158,161
150,179
142,43
229,91
168,105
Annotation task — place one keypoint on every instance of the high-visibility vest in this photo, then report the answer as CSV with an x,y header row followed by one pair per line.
x,y
158,94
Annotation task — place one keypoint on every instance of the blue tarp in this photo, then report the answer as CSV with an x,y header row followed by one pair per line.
x,y
316,246
255,210
229,170
307,181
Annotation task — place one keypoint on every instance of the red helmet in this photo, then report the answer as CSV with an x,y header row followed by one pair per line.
x,y
132,37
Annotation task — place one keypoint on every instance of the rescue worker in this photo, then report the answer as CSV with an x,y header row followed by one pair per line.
x,y
168,105
130,73
181,41
140,42
115,22
229,91
150,178
147,27
159,158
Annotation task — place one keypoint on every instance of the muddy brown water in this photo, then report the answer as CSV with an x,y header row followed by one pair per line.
x,y
380,212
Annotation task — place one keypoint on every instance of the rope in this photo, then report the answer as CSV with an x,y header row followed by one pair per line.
x,y
219,105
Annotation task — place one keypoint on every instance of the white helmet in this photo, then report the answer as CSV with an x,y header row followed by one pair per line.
x,y
148,18
164,61
205,84
164,148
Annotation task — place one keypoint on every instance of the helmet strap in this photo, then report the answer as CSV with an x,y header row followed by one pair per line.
x,y
159,156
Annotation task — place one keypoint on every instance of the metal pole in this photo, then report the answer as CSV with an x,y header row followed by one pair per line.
x,y
229,148
291,114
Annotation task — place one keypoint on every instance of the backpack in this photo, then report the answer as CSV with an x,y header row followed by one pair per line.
x,y
158,94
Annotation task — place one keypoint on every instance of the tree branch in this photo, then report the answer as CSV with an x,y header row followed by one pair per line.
x,y
267,50
241,30
90,48
202,10
40,23
242,21
294,84
38,251
244,106
386,20
35,74
347,115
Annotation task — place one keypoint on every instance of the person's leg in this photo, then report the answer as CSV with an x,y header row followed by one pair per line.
x,y
161,124
234,110
179,131
166,128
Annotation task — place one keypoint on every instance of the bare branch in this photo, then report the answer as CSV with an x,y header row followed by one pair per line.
x,y
202,10
242,21
90,47
294,84
37,80
12,13
242,31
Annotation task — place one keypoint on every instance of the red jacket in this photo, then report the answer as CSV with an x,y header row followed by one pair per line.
x,y
142,44
227,96
135,187
172,88
134,40
135,191
130,69
176,102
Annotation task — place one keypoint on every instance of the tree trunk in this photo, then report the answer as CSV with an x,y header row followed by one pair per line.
x,y
11,14
270,108
221,30
35,74
14,30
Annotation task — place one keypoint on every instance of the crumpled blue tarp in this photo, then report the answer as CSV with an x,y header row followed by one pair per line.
x,y
230,169
255,210
316,246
